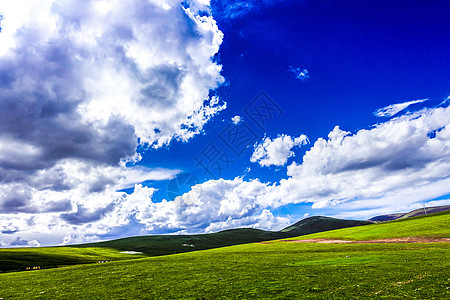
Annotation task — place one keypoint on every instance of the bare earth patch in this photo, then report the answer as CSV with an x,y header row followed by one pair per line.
x,y
391,240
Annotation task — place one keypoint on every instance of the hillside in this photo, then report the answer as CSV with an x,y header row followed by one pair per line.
x,y
17,259
434,225
155,245
320,223
171,244
275,270
414,213
21,259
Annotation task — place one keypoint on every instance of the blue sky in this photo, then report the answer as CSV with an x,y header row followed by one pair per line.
x,y
359,56
152,117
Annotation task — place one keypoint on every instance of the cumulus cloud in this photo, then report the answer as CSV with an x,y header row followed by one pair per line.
x,y
396,165
277,151
236,120
210,206
300,73
393,164
393,109
82,84
19,242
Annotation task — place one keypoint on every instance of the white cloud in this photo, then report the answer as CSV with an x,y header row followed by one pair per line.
x,y
393,164
392,110
19,242
80,84
101,69
264,220
277,151
236,120
214,201
300,73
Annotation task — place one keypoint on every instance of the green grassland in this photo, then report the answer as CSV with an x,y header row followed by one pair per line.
x,y
19,259
275,270
49,257
435,225
171,244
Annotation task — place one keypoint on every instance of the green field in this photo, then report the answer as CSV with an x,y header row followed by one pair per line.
x,y
275,270
435,225
19,259
171,244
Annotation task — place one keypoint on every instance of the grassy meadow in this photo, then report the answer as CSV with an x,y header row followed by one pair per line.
x,y
435,225
20,259
274,270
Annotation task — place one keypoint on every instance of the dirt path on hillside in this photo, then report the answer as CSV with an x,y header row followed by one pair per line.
x,y
391,240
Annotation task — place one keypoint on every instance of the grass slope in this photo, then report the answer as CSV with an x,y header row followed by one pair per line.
x,y
18,259
319,224
435,225
413,213
172,244
276,270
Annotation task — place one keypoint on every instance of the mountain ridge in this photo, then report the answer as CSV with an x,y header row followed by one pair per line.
x,y
414,213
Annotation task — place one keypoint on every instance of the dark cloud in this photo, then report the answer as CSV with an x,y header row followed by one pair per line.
x,y
18,200
15,201
162,86
19,242
84,215
80,86
57,206
100,184
8,228
39,109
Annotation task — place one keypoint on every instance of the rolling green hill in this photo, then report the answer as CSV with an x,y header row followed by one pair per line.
x,y
155,245
171,244
19,259
435,225
319,224
413,213
275,270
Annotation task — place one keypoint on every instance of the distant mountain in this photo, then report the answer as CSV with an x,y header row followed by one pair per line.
x,y
319,224
414,213
154,245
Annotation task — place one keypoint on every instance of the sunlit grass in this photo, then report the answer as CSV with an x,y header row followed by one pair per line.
x,y
21,259
436,225
276,270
